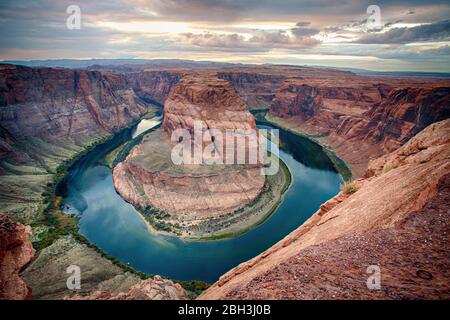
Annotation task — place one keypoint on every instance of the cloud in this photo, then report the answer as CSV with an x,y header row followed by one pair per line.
x,y
259,41
429,32
301,31
236,29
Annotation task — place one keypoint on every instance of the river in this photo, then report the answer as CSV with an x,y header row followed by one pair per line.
x,y
114,225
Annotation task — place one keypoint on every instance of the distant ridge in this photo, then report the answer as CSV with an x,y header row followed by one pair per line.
x,y
180,63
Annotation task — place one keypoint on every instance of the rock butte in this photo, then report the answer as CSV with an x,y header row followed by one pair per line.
x,y
148,176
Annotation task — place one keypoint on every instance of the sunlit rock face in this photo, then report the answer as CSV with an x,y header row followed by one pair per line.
x,y
208,99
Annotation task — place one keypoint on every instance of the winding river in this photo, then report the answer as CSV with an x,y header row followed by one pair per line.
x,y
115,226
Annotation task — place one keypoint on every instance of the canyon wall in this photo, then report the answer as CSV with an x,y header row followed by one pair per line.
x,y
61,106
256,89
395,221
48,116
153,86
360,118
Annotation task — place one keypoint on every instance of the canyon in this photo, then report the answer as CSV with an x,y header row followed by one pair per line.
x,y
192,195
360,118
391,131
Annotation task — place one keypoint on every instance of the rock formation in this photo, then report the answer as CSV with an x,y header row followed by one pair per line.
x,y
360,117
397,220
197,191
63,105
404,113
154,288
49,115
255,87
208,99
153,86
16,252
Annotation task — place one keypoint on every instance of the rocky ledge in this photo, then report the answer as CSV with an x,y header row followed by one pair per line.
x,y
16,252
396,220
154,288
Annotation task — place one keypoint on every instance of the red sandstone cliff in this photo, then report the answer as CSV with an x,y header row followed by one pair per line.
x,y
61,106
15,252
359,117
405,112
397,219
153,86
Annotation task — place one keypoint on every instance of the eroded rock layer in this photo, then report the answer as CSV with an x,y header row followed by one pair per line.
x,y
47,116
16,252
397,220
149,178
154,288
207,99
360,118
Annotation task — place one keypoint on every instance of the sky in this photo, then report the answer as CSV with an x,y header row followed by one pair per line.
x,y
408,36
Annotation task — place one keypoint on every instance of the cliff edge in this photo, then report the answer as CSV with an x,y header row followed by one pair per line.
x,y
395,219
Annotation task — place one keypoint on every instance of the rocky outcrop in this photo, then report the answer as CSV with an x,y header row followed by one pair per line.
x,y
208,99
154,288
193,191
16,252
397,221
153,86
360,118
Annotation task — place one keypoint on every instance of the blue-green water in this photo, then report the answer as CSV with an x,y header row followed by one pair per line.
x,y
114,225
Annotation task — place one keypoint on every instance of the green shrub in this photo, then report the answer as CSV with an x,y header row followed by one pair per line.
x,y
349,187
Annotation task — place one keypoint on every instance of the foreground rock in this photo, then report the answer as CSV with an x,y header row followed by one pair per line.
x,y
398,220
16,252
155,288
47,274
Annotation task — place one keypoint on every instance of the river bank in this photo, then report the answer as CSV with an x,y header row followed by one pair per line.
x,y
262,117
226,225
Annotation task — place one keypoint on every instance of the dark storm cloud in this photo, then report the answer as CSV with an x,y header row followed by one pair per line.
x,y
430,32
